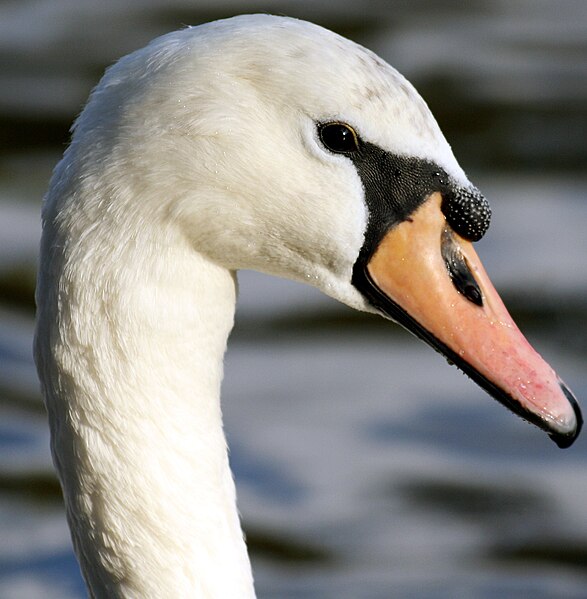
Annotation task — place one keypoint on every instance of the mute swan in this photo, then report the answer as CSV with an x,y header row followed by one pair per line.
x,y
256,142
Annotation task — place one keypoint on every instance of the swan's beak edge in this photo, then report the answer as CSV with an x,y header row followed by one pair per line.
x,y
431,281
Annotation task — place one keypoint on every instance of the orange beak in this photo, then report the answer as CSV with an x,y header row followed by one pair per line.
x,y
431,281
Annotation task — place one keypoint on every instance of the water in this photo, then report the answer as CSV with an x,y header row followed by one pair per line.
x,y
366,467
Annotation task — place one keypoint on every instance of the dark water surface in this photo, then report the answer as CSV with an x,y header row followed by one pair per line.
x,y
366,467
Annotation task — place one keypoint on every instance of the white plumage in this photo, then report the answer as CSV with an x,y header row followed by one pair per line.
x,y
194,157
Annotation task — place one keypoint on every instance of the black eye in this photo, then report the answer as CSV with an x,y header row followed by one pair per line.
x,y
339,138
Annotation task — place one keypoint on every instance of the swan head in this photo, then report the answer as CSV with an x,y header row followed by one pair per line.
x,y
272,144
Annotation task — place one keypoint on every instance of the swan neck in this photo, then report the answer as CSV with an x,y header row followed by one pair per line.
x,y
130,350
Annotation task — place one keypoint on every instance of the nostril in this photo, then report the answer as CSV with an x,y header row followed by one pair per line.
x,y
458,269
467,212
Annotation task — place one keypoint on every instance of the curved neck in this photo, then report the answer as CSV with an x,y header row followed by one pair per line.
x,y
131,367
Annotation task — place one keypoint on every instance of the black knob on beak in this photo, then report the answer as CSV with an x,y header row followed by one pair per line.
x,y
467,212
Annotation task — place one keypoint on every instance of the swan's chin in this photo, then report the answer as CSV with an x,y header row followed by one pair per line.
x,y
431,281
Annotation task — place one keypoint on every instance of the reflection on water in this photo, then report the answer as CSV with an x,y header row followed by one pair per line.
x,y
365,466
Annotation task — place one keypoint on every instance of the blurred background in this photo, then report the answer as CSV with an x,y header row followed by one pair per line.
x,y
365,466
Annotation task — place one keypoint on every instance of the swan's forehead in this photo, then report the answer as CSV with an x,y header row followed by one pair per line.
x,y
376,100
301,67
344,78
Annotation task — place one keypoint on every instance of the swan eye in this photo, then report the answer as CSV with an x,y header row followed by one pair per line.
x,y
339,138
